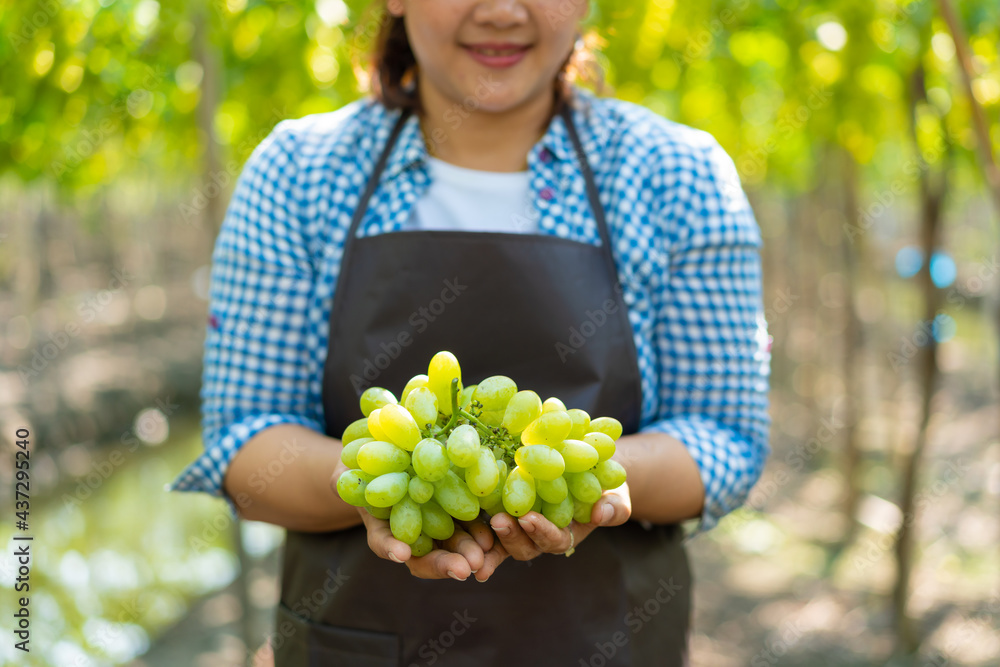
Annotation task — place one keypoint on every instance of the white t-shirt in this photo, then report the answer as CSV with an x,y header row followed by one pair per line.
x,y
471,200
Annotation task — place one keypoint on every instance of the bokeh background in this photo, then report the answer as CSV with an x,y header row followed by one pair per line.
x,y
865,133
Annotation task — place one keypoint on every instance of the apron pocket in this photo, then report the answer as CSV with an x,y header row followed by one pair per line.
x,y
299,642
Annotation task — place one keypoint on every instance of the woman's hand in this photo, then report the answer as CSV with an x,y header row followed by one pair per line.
x,y
533,534
471,550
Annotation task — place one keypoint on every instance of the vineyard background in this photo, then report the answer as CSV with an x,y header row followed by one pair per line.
x,y
865,133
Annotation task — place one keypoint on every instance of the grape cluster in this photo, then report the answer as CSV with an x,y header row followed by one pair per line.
x,y
444,452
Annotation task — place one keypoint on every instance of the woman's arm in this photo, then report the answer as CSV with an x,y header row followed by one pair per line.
x,y
663,480
283,475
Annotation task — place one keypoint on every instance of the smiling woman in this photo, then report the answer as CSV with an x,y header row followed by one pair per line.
x,y
606,257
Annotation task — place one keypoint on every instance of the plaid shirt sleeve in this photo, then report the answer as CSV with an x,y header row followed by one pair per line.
x,y
711,337
258,365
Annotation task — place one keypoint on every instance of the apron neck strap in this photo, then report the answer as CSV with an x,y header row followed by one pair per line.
x,y
592,192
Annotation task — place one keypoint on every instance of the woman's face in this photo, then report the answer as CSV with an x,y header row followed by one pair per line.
x,y
492,55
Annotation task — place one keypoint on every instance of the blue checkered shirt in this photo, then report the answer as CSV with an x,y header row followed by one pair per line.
x,y
685,239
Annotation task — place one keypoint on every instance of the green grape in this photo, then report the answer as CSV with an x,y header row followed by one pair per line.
x,y
460,472
420,490
560,513
601,442
582,511
374,429
610,474
523,409
465,398
351,487
374,398
492,499
503,471
581,424
349,455
430,461
442,369
494,393
423,405
552,491
608,426
397,423
454,496
378,458
518,492
537,507
549,429
495,509
387,490
437,523
463,445
541,461
404,520
357,429
423,546
553,404
415,382
380,512
492,417
583,486
482,476
578,455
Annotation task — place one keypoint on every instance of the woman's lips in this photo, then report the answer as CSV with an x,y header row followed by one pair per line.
x,y
497,55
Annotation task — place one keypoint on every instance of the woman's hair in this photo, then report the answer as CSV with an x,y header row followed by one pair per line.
x,y
391,71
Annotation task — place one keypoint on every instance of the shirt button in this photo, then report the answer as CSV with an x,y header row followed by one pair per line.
x,y
547,194
545,156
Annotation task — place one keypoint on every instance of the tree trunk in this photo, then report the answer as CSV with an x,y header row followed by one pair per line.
x,y
853,249
933,188
211,194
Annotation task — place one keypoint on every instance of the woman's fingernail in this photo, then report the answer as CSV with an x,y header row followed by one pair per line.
x,y
393,558
503,531
482,581
454,576
607,513
528,526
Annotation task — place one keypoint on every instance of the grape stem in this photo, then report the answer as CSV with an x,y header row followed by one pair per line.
x,y
486,433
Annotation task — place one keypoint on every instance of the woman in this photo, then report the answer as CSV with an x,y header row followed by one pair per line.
x,y
585,247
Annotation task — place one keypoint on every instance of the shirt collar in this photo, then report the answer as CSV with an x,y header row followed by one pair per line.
x,y
410,149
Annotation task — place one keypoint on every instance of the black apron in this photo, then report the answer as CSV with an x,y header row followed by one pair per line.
x,y
504,304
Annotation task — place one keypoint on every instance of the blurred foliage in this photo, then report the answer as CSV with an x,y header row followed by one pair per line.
x,y
98,90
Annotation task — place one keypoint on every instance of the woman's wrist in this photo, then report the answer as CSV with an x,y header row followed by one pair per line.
x,y
664,481
285,475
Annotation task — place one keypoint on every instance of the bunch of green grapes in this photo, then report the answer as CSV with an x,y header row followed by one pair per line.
x,y
443,452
